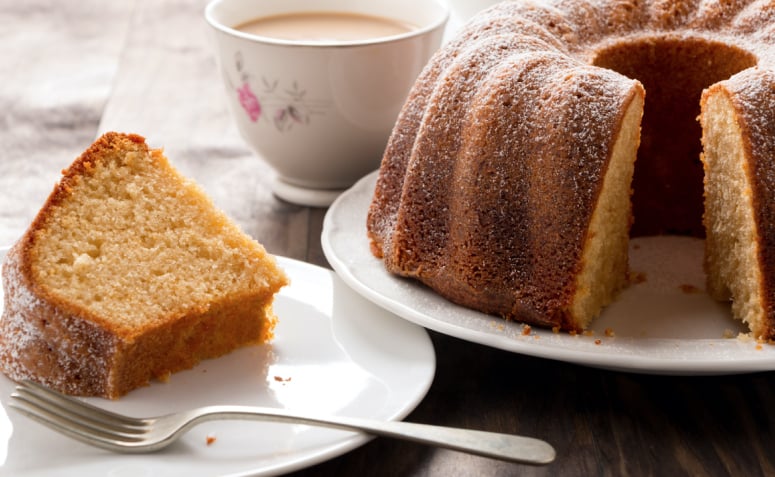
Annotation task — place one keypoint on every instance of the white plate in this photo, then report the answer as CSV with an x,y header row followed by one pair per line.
x,y
333,353
664,325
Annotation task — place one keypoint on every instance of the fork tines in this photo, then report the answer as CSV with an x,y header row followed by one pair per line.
x,y
74,417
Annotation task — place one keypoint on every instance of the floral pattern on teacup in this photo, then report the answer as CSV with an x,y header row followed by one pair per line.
x,y
282,106
249,102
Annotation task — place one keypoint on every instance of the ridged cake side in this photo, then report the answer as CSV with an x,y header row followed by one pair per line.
x,y
456,168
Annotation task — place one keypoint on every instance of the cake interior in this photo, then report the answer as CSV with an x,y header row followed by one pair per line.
x,y
674,71
139,244
604,268
731,244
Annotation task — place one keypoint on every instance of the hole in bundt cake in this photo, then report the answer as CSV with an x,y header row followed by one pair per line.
x,y
667,196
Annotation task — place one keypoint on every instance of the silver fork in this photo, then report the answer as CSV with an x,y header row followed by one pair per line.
x,y
115,432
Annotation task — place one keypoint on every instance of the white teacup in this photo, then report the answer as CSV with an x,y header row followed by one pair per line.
x,y
320,112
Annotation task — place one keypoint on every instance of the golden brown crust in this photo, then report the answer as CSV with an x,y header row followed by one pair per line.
x,y
181,344
106,145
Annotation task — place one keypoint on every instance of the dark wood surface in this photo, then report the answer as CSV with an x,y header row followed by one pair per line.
x,y
71,70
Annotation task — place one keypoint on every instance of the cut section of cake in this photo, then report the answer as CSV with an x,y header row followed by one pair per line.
x,y
127,274
739,144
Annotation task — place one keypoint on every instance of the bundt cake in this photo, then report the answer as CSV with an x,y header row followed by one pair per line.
x,y
508,185
129,273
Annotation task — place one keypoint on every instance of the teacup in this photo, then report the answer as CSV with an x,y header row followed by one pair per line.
x,y
320,111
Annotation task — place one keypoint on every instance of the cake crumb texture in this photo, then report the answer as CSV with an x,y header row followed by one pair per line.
x,y
739,182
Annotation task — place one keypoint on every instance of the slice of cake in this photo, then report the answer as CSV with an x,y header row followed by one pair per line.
x,y
129,273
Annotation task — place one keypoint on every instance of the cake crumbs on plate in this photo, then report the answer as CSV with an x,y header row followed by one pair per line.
x,y
210,439
748,338
598,341
637,277
281,379
760,342
609,333
744,337
689,289
526,329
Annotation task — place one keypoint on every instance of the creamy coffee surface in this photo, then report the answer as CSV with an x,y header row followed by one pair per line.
x,y
324,26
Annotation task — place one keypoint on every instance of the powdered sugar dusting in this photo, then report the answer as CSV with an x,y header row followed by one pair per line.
x,y
46,349
17,298
559,38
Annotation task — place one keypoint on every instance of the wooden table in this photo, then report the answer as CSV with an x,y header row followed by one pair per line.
x,y
71,70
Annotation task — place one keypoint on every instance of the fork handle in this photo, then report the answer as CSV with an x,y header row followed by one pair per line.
x,y
508,447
